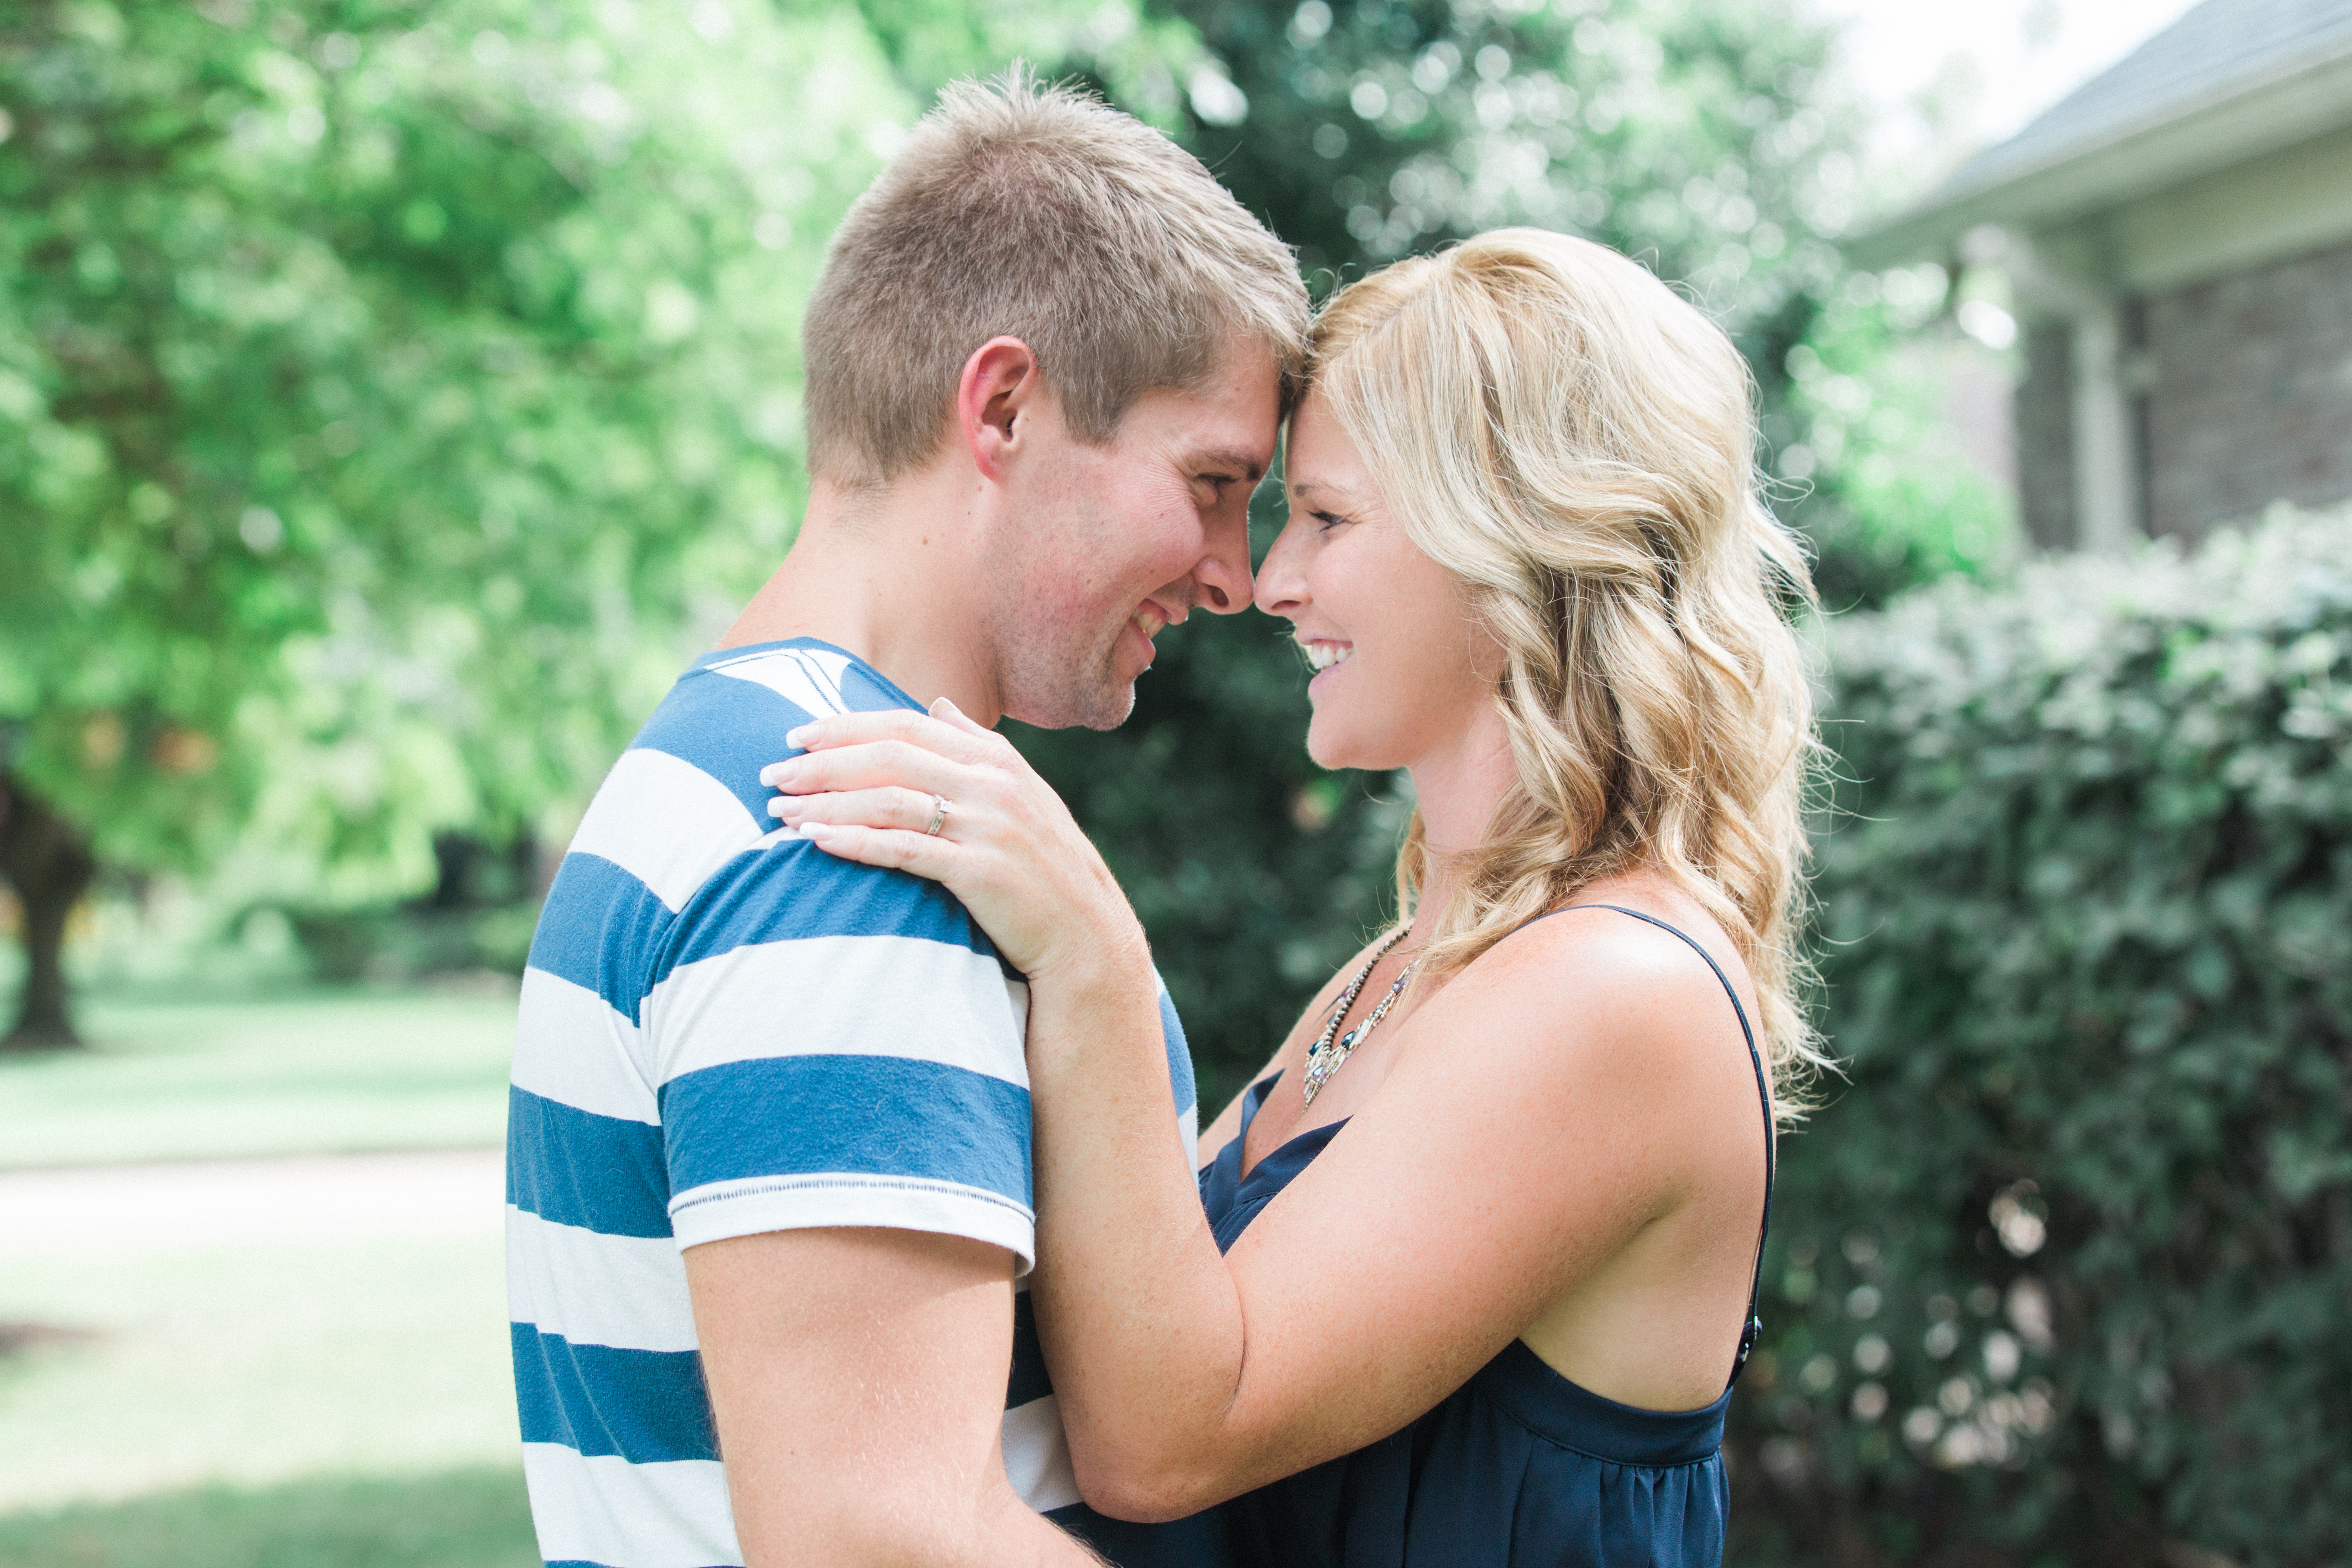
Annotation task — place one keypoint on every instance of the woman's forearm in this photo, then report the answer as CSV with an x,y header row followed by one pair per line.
x,y
1143,1325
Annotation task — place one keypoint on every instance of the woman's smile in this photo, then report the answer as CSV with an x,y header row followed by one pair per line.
x,y
1324,656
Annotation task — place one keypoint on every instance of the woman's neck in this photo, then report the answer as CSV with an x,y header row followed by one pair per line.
x,y
1457,790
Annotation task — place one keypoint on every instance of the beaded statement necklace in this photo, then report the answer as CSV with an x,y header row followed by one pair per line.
x,y
1326,1055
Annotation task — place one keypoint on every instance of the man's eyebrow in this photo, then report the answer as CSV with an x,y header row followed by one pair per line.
x,y
1225,458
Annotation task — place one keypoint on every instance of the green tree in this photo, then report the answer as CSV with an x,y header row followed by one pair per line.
x,y
381,383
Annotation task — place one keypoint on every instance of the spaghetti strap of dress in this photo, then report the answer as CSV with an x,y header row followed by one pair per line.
x,y
1755,1324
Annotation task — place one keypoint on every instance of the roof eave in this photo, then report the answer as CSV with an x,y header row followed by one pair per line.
x,y
2276,110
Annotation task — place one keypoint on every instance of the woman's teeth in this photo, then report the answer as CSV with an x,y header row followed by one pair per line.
x,y
1324,655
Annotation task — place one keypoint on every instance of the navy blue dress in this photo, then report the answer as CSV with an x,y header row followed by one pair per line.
x,y
1518,1466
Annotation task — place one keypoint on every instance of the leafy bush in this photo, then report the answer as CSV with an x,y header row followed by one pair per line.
x,y
2062,1271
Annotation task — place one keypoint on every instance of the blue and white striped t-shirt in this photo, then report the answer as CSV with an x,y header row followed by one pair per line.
x,y
725,1031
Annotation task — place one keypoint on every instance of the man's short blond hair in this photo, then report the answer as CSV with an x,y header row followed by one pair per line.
x,y
1038,212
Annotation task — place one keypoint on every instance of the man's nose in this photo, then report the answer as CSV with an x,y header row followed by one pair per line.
x,y
1221,581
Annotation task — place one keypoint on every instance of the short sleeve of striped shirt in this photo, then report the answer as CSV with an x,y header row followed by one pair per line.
x,y
825,1043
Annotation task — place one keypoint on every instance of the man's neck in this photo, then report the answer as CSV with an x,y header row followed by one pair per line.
x,y
889,576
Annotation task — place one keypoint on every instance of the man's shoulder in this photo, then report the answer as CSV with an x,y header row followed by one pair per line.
x,y
686,798
728,715
677,860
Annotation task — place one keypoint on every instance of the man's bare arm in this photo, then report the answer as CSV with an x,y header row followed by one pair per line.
x,y
857,1377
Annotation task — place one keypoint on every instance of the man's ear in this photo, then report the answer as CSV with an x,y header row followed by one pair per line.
x,y
996,397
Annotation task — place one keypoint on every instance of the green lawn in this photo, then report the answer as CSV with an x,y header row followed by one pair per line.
x,y
256,1400
324,1072
472,1517
253,1364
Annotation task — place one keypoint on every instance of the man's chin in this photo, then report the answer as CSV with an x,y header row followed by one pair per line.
x,y
1111,717
1103,707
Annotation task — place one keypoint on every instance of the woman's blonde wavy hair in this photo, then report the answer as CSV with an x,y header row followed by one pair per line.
x,y
1576,444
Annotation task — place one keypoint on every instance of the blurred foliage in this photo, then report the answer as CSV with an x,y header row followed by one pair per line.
x,y
383,384
2061,1273
1894,501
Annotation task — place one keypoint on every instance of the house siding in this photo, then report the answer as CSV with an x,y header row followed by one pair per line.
x,y
2045,437
2249,393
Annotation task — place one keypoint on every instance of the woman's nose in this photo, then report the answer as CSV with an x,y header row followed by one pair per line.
x,y
1281,580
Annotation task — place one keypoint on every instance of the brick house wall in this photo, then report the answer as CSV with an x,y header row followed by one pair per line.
x,y
2244,398
2249,393
2045,437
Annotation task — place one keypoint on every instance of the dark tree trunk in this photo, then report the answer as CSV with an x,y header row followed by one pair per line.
x,y
48,862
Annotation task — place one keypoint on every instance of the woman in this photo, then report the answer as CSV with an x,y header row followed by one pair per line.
x,y
1471,1268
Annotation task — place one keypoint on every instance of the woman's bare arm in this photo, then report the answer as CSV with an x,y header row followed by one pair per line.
x,y
1510,1154
1542,1108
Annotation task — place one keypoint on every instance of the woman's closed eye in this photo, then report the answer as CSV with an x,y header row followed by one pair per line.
x,y
1327,521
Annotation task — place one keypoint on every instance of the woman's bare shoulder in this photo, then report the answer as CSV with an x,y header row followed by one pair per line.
x,y
1646,921
1596,978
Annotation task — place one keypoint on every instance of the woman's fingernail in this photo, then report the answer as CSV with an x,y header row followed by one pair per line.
x,y
776,776
816,832
798,740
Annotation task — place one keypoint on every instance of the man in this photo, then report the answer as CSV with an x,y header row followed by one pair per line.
x,y
769,1150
